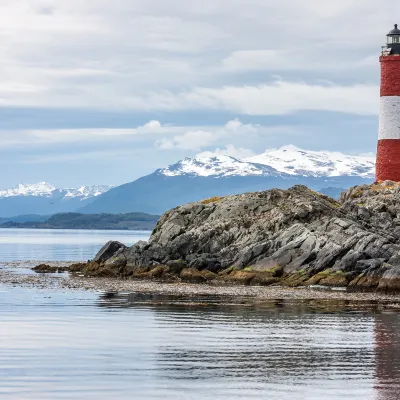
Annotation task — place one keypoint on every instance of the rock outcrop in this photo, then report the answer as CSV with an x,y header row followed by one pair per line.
x,y
292,237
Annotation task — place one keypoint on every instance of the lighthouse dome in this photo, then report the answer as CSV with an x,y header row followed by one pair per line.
x,y
395,31
393,40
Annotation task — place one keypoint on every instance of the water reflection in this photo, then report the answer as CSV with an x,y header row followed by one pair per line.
x,y
387,356
286,346
68,345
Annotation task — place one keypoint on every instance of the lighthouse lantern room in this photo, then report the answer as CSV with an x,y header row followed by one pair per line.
x,y
388,155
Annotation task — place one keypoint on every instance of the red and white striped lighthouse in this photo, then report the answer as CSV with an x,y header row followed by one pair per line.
x,y
388,156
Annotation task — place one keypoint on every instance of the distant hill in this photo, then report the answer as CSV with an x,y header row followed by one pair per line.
x,y
26,218
130,221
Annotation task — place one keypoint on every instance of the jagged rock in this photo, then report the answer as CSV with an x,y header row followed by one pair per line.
x,y
296,233
108,251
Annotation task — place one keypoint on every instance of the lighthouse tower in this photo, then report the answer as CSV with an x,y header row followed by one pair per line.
x,y
388,157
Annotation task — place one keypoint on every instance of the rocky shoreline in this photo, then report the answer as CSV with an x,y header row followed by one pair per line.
x,y
293,237
277,244
16,274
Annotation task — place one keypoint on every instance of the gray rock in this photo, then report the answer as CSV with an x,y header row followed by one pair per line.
x,y
390,280
287,230
108,250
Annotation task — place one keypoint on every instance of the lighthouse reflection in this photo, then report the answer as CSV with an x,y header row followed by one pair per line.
x,y
387,356
233,348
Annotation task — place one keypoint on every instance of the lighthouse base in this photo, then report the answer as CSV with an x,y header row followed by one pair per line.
x,y
388,160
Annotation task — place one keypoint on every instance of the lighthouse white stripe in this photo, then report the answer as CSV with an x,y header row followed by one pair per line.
x,y
389,118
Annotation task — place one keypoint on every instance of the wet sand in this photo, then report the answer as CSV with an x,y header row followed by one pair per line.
x,y
20,274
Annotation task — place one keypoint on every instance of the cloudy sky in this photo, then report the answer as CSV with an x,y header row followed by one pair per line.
x,y
100,91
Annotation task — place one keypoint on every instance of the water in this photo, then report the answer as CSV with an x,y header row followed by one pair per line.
x,y
60,245
78,345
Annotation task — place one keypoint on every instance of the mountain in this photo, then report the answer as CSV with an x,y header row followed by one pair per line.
x,y
294,161
44,189
44,199
131,221
193,179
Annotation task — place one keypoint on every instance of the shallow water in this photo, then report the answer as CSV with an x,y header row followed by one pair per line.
x,y
78,345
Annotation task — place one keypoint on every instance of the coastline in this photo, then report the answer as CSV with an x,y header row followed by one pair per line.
x,y
19,274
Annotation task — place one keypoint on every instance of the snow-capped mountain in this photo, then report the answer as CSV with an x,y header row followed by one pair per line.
x,y
45,189
35,189
44,199
193,179
218,166
86,192
288,160
294,161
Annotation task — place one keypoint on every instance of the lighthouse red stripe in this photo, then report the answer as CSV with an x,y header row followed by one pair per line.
x,y
388,160
390,77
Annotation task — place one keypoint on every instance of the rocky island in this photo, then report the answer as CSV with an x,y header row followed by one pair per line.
x,y
294,237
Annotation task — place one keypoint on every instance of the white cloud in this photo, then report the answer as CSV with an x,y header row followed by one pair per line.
x,y
287,97
277,98
53,136
229,150
189,141
196,140
298,58
138,55
78,157
173,137
151,126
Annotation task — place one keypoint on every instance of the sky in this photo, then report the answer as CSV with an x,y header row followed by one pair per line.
x,y
103,92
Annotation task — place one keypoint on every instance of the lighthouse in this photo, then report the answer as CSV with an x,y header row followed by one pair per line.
x,y
388,155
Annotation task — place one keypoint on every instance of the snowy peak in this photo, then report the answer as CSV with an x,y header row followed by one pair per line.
x,y
87,191
218,166
294,161
44,189
36,189
286,161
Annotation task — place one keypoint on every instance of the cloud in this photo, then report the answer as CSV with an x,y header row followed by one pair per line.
x,y
51,136
188,141
297,58
183,137
229,150
277,98
195,140
86,69
138,55
288,97
78,157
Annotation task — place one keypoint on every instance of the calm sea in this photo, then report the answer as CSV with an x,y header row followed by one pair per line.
x,y
60,245
78,345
